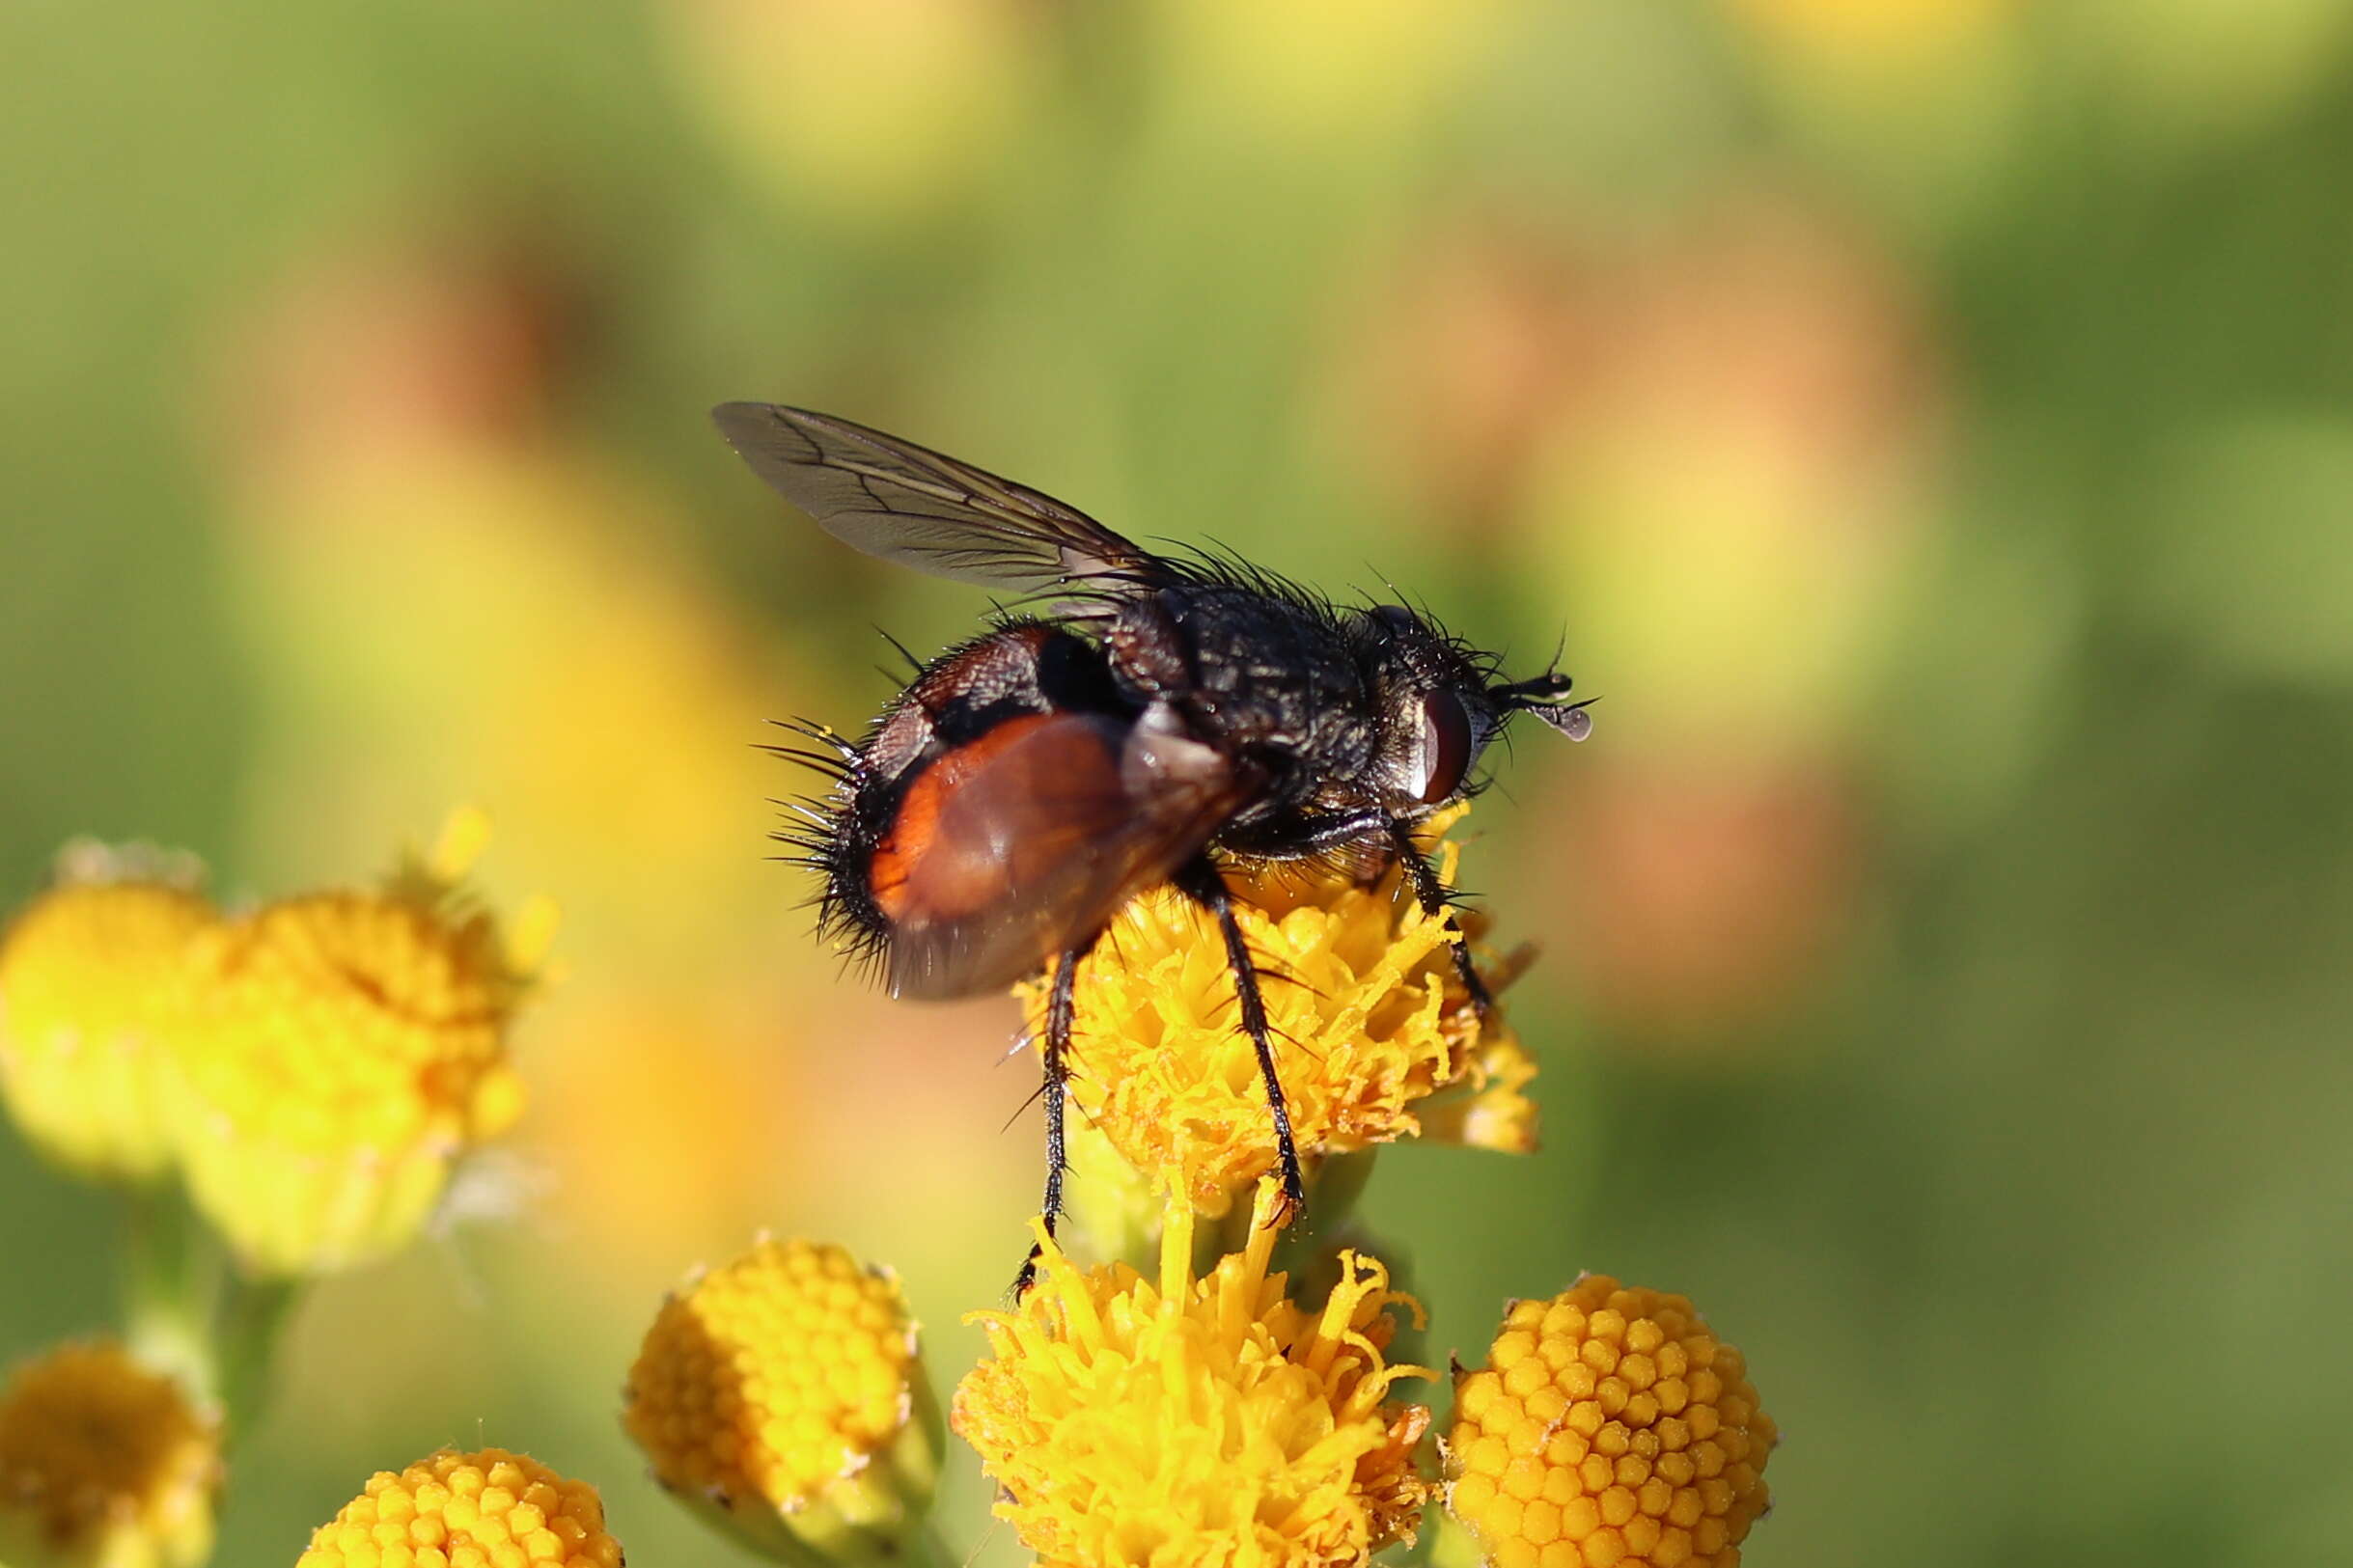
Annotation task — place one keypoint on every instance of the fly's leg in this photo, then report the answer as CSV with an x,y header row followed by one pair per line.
x,y
1435,899
1060,1011
1201,882
1319,830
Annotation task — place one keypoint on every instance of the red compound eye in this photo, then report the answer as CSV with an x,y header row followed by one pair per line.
x,y
1445,751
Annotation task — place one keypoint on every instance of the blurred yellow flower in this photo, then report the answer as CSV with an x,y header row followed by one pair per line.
x,y
781,1397
1369,1021
1609,1427
527,558
1875,32
89,975
491,1509
1754,417
339,1052
103,1464
1197,1420
1752,427
1313,70
876,109
526,562
663,1124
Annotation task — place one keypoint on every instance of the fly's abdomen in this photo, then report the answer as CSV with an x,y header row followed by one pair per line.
x,y
892,839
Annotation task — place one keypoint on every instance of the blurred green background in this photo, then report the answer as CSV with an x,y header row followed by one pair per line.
x,y
1929,421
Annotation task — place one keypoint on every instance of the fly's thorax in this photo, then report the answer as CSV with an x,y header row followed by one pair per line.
x,y
1250,673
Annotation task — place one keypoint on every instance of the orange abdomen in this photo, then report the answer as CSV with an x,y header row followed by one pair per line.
x,y
947,857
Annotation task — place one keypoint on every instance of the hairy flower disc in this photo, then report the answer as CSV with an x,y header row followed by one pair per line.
x,y
491,1509
1208,1420
340,1051
785,1392
90,975
103,1463
1609,1427
1375,1038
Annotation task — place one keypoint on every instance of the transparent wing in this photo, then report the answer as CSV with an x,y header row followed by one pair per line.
x,y
896,500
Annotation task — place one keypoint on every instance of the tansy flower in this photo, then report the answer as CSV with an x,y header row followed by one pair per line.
x,y
88,975
103,1464
1609,1427
1188,1421
491,1509
339,1050
1370,1023
781,1397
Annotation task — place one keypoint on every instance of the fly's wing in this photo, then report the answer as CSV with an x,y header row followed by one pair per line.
x,y
1032,849
896,500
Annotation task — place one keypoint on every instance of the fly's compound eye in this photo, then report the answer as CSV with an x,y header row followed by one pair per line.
x,y
1442,751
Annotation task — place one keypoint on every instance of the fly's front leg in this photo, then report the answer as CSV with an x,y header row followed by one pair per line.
x,y
1201,882
1436,899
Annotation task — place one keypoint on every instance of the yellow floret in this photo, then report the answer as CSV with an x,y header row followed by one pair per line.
x,y
339,1050
783,1397
1197,1421
1376,1040
1609,1427
103,1464
491,1509
89,976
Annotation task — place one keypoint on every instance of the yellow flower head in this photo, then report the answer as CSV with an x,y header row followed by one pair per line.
x,y
1370,1023
339,1050
89,975
491,1509
1197,1420
781,1397
1609,1427
103,1464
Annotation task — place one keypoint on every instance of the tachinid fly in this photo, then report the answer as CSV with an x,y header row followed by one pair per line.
x,y
1150,717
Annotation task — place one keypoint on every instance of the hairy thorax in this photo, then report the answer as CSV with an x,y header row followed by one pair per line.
x,y
1260,680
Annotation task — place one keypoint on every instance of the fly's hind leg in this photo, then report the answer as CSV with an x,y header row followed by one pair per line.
x,y
1060,1011
1201,882
1436,897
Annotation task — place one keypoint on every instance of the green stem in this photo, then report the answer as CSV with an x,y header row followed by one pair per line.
x,y
245,1342
1114,1211
927,1550
171,1281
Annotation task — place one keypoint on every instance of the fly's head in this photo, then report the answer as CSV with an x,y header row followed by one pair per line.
x,y
1439,704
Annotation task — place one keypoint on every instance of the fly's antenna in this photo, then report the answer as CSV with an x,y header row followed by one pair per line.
x,y
1541,697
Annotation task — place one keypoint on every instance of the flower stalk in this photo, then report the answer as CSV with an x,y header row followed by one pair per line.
x,y
189,1310
251,1320
171,1280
